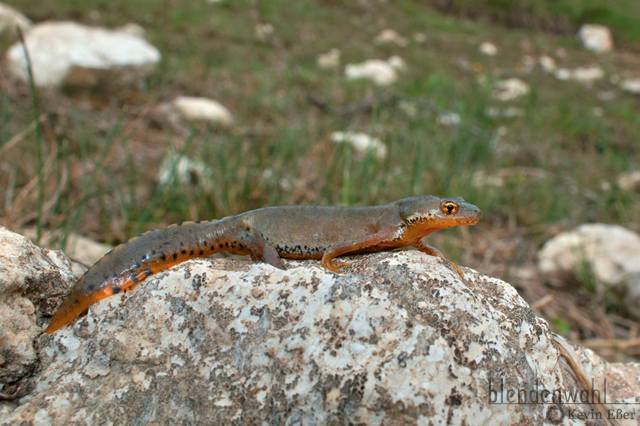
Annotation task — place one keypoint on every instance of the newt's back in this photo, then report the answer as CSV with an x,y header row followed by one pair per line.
x,y
307,231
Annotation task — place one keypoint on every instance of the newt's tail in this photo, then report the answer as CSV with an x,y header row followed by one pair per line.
x,y
141,256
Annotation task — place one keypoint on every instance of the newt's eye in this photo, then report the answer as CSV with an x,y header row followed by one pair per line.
x,y
449,207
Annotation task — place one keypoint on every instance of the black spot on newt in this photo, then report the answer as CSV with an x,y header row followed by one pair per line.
x,y
183,251
116,289
148,272
175,256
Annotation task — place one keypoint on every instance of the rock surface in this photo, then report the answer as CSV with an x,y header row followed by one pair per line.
x,y
399,338
611,252
66,53
33,282
78,248
10,18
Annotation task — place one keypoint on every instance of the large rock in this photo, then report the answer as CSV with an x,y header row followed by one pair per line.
x,y
66,53
397,339
610,252
11,18
33,282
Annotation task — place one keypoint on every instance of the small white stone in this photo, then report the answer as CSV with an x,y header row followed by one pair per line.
x,y
510,89
563,74
361,142
547,63
201,109
184,171
376,70
606,95
581,75
488,49
264,31
449,119
390,36
588,75
596,38
528,64
629,181
420,38
631,86
329,60
500,177
397,62
508,112
561,52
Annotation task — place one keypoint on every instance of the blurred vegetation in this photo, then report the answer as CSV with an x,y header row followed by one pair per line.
x,y
561,157
560,16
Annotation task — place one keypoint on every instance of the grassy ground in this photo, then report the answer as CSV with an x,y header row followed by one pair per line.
x,y
101,151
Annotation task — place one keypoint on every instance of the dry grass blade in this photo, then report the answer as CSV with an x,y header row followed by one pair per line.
x,y
51,202
543,301
567,352
24,193
620,344
20,136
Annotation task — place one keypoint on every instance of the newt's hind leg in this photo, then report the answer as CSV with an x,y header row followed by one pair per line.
x,y
262,250
432,251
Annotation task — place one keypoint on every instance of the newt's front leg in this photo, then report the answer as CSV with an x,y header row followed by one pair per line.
x,y
432,251
354,246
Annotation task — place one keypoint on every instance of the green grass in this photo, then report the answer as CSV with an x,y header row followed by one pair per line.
x,y
561,16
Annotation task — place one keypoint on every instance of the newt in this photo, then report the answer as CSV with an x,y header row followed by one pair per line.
x,y
270,234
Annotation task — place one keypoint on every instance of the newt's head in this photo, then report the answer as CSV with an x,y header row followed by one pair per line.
x,y
435,213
